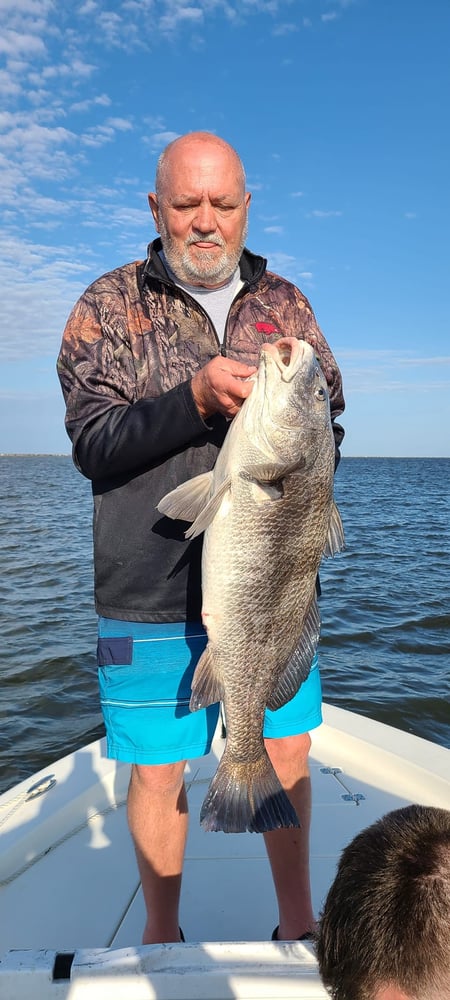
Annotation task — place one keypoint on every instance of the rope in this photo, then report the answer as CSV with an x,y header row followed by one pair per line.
x,y
61,840
44,785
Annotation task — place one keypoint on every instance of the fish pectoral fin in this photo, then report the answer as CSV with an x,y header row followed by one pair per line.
x,y
269,472
267,492
207,686
299,665
207,515
188,499
335,540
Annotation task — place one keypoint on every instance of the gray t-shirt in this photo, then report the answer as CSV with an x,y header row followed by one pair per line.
x,y
215,301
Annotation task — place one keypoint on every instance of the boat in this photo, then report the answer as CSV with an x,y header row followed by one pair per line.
x,y
71,908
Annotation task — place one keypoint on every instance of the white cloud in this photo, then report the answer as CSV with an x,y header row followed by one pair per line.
x,y
127,218
111,24
178,14
77,68
35,138
20,8
88,8
317,213
160,139
121,124
290,267
32,274
42,206
31,150
369,370
285,28
9,86
102,100
14,43
439,360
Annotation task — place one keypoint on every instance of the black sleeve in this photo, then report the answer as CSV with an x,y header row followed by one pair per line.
x,y
127,437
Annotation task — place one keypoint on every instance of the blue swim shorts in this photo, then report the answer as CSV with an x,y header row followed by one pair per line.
x,y
145,673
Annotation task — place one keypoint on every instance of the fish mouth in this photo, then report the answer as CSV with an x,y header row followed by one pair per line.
x,y
289,354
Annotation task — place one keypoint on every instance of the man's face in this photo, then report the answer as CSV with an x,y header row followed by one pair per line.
x,y
201,212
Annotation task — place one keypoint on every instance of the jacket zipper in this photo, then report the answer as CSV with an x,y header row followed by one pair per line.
x,y
189,298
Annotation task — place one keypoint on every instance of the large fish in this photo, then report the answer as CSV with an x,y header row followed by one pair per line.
x,y
268,515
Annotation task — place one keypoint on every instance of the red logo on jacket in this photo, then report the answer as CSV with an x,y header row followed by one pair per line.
x,y
266,328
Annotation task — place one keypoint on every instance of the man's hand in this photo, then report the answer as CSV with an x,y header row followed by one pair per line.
x,y
221,386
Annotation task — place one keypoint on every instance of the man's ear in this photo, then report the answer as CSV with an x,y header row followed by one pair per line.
x,y
153,202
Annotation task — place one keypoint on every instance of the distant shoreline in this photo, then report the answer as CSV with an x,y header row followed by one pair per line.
x,y
66,454
35,454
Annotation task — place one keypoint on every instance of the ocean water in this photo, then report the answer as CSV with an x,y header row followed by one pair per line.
x,y
385,606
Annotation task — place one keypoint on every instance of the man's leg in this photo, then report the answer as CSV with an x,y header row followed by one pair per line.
x,y
158,821
288,850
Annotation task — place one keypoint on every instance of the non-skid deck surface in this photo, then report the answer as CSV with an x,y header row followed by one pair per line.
x,y
83,891
227,886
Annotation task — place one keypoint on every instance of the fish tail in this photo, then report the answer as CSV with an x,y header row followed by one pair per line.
x,y
246,797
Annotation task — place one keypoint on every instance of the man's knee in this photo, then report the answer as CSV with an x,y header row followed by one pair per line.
x,y
290,752
158,779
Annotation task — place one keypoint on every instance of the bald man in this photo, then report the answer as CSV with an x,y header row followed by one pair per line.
x,y
154,364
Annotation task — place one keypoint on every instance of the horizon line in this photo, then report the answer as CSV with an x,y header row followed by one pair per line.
x,y
67,454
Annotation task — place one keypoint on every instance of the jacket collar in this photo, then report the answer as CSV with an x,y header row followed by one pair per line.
x,y
252,267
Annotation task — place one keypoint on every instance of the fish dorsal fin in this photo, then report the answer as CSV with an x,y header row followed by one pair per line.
x,y
335,541
269,472
299,665
207,515
187,500
207,686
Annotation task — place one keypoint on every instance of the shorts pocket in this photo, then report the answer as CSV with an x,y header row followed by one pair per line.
x,y
114,650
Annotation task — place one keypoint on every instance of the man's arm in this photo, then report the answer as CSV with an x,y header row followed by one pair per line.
x,y
112,432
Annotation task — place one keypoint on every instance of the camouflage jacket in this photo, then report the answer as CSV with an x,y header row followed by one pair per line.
x,y
130,348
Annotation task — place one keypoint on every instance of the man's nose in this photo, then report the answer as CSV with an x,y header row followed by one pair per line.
x,y
205,217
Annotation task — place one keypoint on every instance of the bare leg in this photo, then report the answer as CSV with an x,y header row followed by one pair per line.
x,y
288,850
158,821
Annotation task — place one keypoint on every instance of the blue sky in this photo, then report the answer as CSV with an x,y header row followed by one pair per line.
x,y
339,109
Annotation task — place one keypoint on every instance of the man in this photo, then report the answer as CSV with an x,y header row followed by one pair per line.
x,y
153,365
384,933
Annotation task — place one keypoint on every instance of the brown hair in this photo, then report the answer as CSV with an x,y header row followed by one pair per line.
x,y
386,919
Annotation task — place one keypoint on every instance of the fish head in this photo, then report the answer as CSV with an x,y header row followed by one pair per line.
x,y
287,414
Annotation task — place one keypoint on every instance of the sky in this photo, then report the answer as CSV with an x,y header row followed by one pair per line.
x,y
339,110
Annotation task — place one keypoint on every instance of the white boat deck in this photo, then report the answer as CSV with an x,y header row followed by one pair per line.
x,y
69,882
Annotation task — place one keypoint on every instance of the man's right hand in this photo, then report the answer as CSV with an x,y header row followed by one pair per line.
x,y
221,386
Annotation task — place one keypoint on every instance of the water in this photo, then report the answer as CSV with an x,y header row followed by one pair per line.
x,y
385,647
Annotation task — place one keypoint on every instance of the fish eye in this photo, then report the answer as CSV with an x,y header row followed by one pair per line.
x,y
319,392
